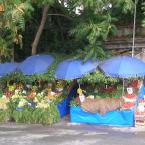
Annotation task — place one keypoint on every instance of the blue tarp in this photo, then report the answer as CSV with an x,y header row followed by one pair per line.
x,y
141,92
113,118
64,106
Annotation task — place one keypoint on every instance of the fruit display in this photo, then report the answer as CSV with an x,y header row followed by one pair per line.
x,y
87,91
129,98
139,115
103,108
88,99
24,103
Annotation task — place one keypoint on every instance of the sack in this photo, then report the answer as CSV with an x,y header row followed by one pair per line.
x,y
101,105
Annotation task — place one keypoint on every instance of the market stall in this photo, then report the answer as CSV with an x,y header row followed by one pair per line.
x,y
110,111
32,94
72,69
104,108
35,104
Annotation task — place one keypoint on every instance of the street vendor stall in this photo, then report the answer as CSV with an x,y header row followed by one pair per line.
x,y
107,111
102,109
28,95
30,104
71,69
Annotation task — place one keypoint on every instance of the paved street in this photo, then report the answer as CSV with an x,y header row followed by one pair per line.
x,y
65,133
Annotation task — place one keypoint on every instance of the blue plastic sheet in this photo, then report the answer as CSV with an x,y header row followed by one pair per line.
x,y
64,106
141,92
113,118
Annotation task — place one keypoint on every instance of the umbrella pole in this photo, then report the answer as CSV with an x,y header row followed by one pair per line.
x,y
123,88
79,85
134,26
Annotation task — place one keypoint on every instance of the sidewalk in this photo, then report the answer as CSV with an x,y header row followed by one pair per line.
x,y
66,133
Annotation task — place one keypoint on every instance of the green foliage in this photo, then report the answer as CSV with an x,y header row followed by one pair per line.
x,y
6,45
1,93
115,94
13,19
43,116
143,11
91,90
93,26
74,103
97,77
11,105
94,51
22,116
95,23
15,13
125,5
4,115
83,34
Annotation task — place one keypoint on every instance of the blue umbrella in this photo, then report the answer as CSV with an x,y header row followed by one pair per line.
x,y
36,64
72,69
123,67
7,68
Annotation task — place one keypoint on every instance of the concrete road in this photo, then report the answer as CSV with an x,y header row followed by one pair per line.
x,y
65,133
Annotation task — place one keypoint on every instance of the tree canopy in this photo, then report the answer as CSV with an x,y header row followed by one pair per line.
x,y
73,27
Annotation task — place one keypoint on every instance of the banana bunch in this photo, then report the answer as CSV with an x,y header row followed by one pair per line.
x,y
42,104
79,91
15,96
11,87
3,103
59,85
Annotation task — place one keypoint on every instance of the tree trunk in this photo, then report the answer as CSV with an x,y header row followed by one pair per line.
x,y
62,2
40,30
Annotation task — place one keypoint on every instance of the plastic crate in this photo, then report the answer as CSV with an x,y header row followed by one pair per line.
x,y
139,119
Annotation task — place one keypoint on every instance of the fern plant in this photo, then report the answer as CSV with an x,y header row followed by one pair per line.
x,y
13,19
96,22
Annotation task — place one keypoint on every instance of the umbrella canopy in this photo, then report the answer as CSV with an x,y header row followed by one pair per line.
x,y
7,68
36,64
72,69
123,67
